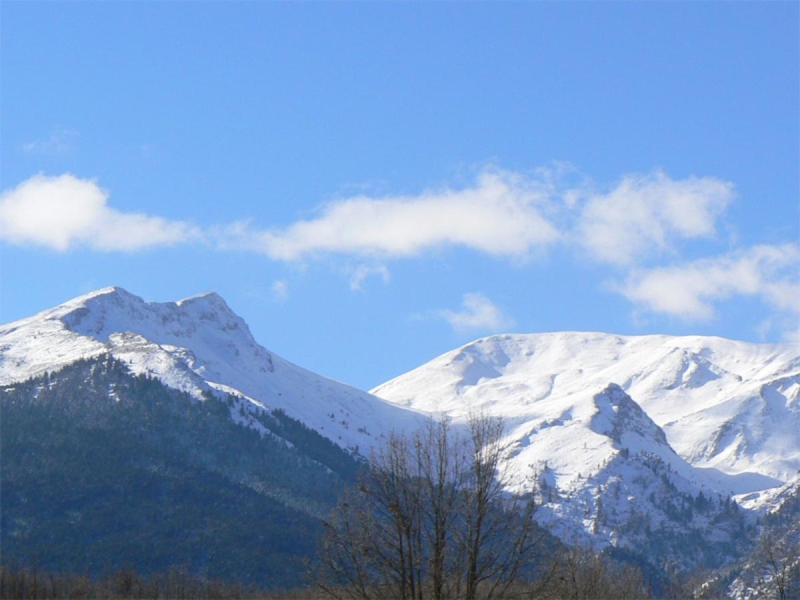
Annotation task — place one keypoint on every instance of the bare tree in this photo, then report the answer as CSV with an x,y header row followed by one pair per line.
x,y
432,518
443,459
580,573
499,526
776,565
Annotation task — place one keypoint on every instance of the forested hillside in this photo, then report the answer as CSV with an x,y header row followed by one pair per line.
x,y
102,469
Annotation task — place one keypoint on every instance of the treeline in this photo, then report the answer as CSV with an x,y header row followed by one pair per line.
x,y
568,573
22,583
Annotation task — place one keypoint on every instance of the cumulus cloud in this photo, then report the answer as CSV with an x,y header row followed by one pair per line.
x,y
363,272
64,211
477,313
500,215
648,213
505,214
771,273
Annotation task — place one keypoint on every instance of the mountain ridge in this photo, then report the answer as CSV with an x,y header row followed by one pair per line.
x,y
726,405
646,444
194,345
722,404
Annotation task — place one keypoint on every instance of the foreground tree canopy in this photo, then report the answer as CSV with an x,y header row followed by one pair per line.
x,y
432,519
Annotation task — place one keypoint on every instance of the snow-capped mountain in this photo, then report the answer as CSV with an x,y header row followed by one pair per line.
x,y
638,494
194,345
729,409
646,444
637,443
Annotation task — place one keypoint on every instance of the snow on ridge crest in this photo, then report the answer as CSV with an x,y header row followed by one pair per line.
x,y
99,322
197,344
723,405
112,310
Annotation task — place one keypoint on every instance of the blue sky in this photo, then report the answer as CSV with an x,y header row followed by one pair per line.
x,y
372,184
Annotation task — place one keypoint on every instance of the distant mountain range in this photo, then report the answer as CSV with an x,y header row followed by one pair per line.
x,y
667,448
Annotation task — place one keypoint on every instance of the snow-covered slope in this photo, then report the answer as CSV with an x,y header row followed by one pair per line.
x,y
636,442
636,493
666,447
730,409
194,345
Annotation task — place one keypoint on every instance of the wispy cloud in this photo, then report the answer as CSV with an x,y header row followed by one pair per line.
x,y
363,272
280,290
689,291
64,211
646,214
477,313
501,214
61,141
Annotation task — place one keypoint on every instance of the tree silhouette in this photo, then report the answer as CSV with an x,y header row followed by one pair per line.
x,y
432,519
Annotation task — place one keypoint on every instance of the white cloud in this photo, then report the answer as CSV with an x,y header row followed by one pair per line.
x,y
477,313
771,273
647,213
61,141
63,211
280,290
500,215
362,272
505,214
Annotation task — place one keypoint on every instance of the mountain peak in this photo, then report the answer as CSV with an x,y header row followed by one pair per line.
x,y
210,306
621,418
112,310
109,293
203,297
196,345
118,296
101,321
